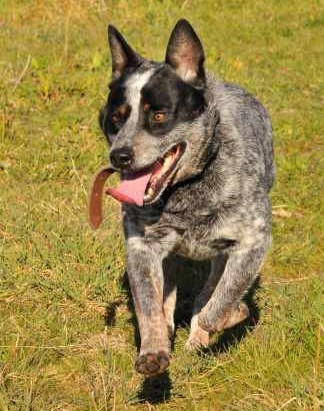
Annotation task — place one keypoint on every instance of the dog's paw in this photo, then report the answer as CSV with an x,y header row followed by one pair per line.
x,y
197,340
240,314
205,324
227,321
152,363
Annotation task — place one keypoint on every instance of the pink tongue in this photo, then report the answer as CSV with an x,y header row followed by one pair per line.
x,y
131,189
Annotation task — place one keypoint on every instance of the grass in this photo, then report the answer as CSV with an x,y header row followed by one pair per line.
x,y
67,335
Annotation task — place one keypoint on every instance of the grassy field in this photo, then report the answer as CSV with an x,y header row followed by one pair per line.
x,y
66,328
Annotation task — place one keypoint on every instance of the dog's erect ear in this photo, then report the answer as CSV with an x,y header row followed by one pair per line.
x,y
185,54
122,55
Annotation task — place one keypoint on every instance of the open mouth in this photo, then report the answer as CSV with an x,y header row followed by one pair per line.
x,y
162,173
146,186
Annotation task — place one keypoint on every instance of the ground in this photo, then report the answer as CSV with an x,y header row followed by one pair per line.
x,y
66,325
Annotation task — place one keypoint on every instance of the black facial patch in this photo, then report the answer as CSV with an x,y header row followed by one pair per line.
x,y
166,92
116,103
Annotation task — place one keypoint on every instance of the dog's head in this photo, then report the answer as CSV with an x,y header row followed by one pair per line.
x,y
153,117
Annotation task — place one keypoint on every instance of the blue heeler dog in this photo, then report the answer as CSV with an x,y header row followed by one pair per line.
x,y
195,158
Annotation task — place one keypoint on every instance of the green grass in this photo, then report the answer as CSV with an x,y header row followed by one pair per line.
x,y
57,276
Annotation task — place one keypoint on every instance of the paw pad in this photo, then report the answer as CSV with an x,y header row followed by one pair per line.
x,y
152,363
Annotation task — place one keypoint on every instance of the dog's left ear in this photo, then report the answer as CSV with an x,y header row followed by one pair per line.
x,y
122,55
185,54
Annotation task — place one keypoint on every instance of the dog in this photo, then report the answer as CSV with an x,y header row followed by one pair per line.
x,y
195,156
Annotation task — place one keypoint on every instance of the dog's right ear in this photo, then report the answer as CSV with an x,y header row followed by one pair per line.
x,y
185,54
122,55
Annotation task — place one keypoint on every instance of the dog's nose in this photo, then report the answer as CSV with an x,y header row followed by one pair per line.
x,y
121,157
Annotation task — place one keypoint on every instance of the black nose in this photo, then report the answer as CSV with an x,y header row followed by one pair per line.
x,y
121,157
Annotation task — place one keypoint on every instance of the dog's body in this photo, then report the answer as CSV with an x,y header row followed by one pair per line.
x,y
211,204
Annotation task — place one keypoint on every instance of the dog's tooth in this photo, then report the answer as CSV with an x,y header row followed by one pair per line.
x,y
150,192
167,162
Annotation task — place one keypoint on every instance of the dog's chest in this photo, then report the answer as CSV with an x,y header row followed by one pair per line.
x,y
202,243
200,236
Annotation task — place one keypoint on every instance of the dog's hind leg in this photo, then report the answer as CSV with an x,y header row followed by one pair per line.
x,y
198,337
225,308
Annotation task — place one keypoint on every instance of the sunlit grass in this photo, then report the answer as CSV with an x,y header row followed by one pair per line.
x,y
57,277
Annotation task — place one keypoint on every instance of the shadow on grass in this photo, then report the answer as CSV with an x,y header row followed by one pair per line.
x,y
156,390
190,277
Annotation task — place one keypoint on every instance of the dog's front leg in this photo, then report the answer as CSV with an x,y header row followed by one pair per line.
x,y
225,309
145,273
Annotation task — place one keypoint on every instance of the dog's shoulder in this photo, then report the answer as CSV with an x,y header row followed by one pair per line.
x,y
236,105
245,128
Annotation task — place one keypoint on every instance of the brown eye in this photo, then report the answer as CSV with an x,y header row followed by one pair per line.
x,y
159,116
116,117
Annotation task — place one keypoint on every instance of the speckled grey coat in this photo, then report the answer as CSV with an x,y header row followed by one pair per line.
x,y
217,208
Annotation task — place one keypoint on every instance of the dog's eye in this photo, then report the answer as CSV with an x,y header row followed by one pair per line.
x,y
116,117
117,121
159,116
